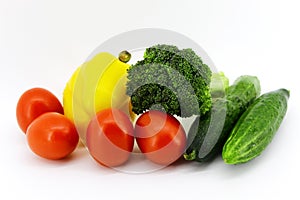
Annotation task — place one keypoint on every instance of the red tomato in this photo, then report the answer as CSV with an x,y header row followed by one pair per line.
x,y
110,137
33,103
52,136
160,137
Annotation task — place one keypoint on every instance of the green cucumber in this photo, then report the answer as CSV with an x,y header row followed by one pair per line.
x,y
256,128
209,132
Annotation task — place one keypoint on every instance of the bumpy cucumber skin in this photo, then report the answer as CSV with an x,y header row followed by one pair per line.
x,y
256,128
208,133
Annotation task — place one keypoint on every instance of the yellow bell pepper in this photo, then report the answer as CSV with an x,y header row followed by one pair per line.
x,y
96,85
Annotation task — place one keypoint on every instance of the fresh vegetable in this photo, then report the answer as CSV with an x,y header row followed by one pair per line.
x,y
98,84
160,137
218,85
105,94
256,127
171,80
110,137
209,132
33,103
52,136
68,95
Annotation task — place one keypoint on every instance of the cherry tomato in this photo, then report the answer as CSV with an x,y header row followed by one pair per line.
x,y
160,137
52,136
33,103
110,137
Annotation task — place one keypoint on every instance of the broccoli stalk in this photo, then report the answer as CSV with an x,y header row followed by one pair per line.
x,y
218,85
171,80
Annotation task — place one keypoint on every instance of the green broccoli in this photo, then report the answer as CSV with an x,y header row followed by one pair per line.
x,y
172,80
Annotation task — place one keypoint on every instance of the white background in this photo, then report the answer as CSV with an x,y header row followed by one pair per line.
x,y
42,42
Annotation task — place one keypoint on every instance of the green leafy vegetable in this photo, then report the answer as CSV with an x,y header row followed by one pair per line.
x,y
171,80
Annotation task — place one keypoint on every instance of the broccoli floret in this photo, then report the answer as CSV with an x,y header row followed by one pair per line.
x,y
172,80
